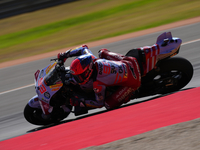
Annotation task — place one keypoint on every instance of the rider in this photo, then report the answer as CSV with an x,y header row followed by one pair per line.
x,y
110,69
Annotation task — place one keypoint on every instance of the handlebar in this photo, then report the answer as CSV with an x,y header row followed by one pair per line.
x,y
54,59
59,61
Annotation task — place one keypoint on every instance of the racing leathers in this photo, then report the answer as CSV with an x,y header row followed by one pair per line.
x,y
109,70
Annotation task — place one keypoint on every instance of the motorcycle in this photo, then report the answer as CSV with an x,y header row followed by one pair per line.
x,y
54,85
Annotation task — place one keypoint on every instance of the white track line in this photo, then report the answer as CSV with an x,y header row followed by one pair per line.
x,y
19,88
23,87
190,42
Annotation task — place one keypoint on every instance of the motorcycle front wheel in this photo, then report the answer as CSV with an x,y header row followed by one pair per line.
x,y
34,116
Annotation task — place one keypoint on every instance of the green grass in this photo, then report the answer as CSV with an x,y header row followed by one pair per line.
x,y
84,21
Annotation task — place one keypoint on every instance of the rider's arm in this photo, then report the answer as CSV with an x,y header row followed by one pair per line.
x,y
91,102
78,51
99,90
74,52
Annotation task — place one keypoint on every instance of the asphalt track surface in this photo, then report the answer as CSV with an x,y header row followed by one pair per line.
x,y
17,81
124,123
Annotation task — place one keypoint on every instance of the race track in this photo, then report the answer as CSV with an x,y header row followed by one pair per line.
x,y
17,82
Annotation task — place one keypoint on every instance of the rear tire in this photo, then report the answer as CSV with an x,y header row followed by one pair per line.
x,y
170,68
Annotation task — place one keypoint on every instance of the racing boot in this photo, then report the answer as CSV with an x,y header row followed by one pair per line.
x,y
79,106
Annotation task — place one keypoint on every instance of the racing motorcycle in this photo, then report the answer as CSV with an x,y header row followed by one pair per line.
x,y
54,85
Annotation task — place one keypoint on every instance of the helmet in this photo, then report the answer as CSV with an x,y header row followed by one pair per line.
x,y
81,68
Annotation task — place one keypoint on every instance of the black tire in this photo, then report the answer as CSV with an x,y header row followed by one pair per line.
x,y
172,66
34,116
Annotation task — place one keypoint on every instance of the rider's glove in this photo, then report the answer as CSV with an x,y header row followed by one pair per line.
x,y
85,46
75,101
63,56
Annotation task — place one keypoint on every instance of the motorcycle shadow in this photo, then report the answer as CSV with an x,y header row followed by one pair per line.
x,y
103,111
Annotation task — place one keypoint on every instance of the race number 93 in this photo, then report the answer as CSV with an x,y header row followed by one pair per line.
x,y
42,89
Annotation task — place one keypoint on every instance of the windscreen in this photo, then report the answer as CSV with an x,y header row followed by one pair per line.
x,y
52,77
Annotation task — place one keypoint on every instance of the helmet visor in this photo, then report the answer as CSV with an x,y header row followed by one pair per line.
x,y
80,78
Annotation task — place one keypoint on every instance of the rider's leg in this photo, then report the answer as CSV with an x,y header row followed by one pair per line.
x,y
120,96
126,91
104,53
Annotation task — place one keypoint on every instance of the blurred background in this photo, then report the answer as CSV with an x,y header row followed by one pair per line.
x,y
16,7
30,27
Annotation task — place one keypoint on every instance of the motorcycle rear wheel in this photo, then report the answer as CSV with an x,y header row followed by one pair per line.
x,y
175,73
34,116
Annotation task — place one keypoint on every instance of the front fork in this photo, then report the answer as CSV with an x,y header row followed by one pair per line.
x,y
35,102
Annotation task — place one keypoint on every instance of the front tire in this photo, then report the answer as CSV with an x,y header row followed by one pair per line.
x,y
34,116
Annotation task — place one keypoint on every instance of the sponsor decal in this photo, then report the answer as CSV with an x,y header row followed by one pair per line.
x,y
125,94
40,81
120,69
100,68
56,87
113,69
47,95
50,67
46,106
44,100
97,88
106,68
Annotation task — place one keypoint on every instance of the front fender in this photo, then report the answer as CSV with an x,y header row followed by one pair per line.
x,y
34,102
